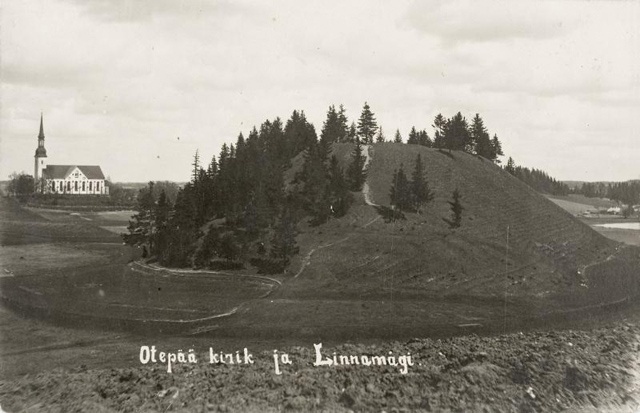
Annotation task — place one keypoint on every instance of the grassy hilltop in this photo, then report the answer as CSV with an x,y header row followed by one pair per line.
x,y
547,246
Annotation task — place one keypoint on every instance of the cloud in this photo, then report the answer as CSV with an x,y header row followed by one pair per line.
x,y
141,10
478,21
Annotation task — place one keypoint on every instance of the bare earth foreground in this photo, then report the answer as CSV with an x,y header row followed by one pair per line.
x,y
65,361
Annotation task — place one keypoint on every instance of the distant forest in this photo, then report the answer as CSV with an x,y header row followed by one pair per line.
x,y
627,193
537,179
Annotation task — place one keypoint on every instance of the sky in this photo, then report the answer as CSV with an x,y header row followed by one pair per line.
x,y
137,86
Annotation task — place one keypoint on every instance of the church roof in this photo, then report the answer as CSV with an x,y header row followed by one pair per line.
x,y
63,171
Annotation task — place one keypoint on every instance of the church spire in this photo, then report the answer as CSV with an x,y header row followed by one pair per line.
x,y
41,152
41,135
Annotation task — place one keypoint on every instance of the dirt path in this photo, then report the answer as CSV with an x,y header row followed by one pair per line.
x,y
307,259
186,272
366,191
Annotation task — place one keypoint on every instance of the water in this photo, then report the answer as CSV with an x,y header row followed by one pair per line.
x,y
621,225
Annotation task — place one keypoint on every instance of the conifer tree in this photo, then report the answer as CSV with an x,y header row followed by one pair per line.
x,y
340,198
439,124
299,134
456,134
398,137
142,226
356,174
496,149
353,133
196,167
367,125
283,243
423,139
315,186
510,166
420,191
456,211
480,140
343,122
380,138
161,221
413,136
400,193
331,129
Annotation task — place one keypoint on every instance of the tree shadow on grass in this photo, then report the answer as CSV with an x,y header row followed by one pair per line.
x,y
390,214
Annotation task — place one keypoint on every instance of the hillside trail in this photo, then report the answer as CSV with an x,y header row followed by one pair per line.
x,y
366,192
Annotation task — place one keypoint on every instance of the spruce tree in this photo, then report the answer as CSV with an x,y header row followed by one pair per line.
x,y
352,133
283,243
356,174
343,123
380,138
142,226
510,166
400,193
331,128
439,124
314,193
480,140
398,137
423,139
456,134
339,198
456,211
298,135
413,136
196,167
367,126
161,222
421,194
496,149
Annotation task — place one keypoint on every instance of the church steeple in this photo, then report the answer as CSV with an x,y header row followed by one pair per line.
x,y
41,152
40,162
41,135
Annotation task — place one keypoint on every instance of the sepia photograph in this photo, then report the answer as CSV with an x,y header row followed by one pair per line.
x,y
319,206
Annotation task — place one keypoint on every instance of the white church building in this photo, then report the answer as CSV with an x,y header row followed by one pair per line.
x,y
66,179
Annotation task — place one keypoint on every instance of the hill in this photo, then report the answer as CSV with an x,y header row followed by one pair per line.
x,y
549,253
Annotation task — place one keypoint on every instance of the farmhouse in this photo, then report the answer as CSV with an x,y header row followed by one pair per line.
x,y
65,179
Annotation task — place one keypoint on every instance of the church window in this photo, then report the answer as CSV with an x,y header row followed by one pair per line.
x,y
53,186
90,186
83,186
68,185
75,186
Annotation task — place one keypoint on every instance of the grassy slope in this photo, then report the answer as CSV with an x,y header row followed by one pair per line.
x,y
360,255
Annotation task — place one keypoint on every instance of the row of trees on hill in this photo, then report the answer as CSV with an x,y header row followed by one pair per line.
x,y
537,179
454,133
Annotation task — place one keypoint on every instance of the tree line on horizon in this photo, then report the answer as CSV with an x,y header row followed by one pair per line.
x,y
455,133
537,179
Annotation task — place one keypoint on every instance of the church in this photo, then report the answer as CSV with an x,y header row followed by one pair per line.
x,y
66,179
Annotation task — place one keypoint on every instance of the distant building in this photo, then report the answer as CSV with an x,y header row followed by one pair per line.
x,y
66,179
